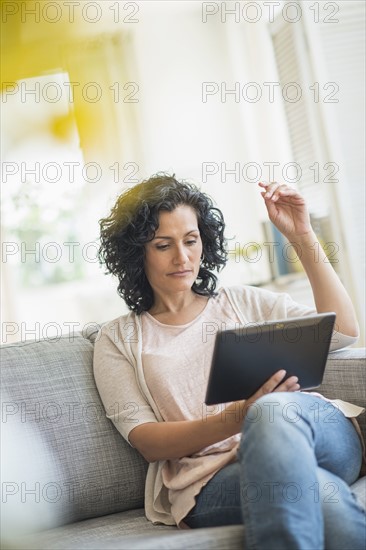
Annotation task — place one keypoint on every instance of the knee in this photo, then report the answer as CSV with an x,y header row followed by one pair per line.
x,y
272,412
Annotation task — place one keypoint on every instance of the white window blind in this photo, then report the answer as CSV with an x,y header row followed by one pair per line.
x,y
343,51
330,51
292,66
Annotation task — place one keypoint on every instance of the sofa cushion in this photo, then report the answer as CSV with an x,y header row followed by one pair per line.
x,y
48,392
131,530
345,378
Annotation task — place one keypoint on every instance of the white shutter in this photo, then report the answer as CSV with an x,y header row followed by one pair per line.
x,y
343,51
330,52
290,51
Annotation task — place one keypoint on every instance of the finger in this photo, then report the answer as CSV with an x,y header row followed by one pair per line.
x,y
279,190
270,189
275,191
270,186
291,384
270,384
284,191
271,207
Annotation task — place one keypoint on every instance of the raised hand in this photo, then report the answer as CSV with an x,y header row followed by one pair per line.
x,y
287,210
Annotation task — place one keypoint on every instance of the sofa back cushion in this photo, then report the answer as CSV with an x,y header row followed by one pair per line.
x,y
49,394
345,378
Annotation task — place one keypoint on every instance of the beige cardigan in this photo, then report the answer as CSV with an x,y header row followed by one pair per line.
x,y
118,351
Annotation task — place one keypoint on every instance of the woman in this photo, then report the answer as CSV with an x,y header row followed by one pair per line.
x,y
162,240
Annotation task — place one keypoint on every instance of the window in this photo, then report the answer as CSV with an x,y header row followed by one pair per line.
x,y
326,128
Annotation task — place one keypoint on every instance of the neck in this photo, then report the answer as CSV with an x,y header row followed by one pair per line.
x,y
174,303
180,309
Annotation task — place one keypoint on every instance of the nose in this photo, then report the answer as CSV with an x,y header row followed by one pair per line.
x,y
180,256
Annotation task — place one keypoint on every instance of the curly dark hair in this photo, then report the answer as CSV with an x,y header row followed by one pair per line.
x,y
132,223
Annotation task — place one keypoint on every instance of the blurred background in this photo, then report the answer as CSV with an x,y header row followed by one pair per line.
x,y
99,95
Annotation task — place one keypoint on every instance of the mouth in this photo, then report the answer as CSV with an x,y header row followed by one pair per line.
x,y
181,273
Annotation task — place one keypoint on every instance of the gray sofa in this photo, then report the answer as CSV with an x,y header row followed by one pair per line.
x,y
69,480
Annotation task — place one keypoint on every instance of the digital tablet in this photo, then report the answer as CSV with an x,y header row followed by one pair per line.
x,y
246,357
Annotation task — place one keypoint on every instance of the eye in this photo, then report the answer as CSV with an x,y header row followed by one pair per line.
x,y
190,243
162,246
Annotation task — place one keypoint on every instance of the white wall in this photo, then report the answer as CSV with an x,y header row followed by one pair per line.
x,y
170,53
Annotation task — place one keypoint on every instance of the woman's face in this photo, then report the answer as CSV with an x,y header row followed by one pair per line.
x,y
172,258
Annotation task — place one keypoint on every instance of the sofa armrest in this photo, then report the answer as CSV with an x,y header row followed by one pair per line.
x,y
345,378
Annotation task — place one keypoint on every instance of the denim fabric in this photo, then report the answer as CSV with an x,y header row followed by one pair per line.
x,y
290,485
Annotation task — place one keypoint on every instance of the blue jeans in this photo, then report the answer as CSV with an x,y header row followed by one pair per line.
x,y
290,485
